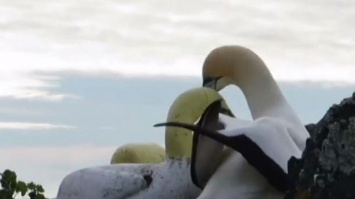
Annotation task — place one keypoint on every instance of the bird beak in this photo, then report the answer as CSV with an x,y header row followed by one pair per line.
x,y
211,82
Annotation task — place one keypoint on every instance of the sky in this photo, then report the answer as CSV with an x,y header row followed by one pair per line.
x,y
78,79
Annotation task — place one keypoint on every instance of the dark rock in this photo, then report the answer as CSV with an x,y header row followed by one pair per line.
x,y
327,167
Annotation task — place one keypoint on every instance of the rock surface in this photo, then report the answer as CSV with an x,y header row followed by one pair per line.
x,y
327,167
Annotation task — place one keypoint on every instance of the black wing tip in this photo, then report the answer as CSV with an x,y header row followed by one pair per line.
x,y
173,124
159,125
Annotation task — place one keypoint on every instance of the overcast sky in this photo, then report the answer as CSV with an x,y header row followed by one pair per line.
x,y
73,74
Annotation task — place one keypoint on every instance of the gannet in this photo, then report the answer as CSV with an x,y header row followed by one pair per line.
x,y
168,180
271,113
242,67
258,148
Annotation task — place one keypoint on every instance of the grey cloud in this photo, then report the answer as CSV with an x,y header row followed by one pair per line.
x,y
137,29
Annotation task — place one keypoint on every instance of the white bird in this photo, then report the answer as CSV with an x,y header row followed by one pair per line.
x,y
261,150
236,177
168,180
242,67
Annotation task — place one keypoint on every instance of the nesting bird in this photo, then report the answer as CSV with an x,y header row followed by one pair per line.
x,y
239,66
167,180
263,146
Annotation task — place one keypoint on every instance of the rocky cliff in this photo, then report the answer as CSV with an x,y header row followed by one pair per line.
x,y
327,167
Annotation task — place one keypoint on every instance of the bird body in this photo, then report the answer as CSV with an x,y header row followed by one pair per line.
x,y
167,180
257,168
237,65
237,179
265,144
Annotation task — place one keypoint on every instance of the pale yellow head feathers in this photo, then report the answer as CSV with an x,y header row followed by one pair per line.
x,y
187,108
230,64
139,153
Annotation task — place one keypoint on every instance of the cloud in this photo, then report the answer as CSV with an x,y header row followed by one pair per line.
x,y
30,86
32,126
20,111
298,41
108,115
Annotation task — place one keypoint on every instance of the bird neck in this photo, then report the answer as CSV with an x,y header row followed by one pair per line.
x,y
178,143
260,89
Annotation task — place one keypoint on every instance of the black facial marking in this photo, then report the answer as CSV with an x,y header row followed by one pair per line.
x,y
213,80
206,80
